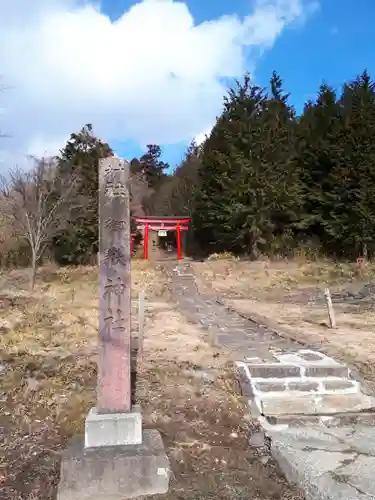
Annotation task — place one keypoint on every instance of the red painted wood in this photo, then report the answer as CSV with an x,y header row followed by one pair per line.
x,y
145,220
178,237
163,228
145,242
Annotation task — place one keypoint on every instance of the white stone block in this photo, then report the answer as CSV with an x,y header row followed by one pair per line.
x,y
113,429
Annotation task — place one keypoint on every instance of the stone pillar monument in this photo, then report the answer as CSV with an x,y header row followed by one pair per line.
x,y
117,458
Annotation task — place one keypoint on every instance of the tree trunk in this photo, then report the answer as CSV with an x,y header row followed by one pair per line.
x,y
33,271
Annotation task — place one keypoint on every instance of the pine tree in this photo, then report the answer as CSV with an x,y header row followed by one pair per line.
x,y
352,219
318,152
281,192
224,206
250,188
152,167
80,157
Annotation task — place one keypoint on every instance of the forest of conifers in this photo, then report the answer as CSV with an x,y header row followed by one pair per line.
x,y
265,181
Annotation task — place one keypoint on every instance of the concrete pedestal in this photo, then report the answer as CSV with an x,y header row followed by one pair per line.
x,y
113,429
114,472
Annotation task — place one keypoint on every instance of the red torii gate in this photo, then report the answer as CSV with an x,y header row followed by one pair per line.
x,y
177,224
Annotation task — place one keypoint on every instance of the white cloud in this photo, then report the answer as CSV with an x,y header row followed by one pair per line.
x,y
200,138
151,76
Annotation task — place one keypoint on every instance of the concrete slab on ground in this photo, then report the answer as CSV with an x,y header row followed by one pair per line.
x,y
303,382
114,472
328,421
315,405
328,464
318,419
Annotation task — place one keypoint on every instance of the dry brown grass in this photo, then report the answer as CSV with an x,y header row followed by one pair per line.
x,y
186,388
288,296
62,307
245,278
48,345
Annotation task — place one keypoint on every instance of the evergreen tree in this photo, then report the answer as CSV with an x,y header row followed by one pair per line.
x,y
262,176
135,167
176,194
152,167
280,194
250,186
78,244
224,204
318,151
352,199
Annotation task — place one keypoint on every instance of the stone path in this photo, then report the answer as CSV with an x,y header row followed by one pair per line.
x,y
229,328
319,418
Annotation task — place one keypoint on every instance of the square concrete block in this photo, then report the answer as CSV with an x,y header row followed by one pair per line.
x,y
113,429
114,472
274,370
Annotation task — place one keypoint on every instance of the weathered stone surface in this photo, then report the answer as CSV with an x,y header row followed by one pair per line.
x,y
114,473
286,406
327,371
334,464
310,356
246,387
256,360
258,355
270,370
270,386
113,429
304,357
312,404
337,385
114,366
303,386
324,421
257,439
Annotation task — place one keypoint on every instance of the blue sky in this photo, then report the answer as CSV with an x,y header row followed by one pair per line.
x,y
156,71
333,45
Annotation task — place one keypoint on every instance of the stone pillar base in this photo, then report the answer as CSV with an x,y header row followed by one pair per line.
x,y
114,472
113,429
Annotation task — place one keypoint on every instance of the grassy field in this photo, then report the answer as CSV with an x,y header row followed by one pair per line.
x,y
186,388
289,297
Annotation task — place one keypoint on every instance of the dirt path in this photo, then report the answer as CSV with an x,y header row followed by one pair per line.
x,y
186,387
190,394
238,337
289,387
288,297
225,327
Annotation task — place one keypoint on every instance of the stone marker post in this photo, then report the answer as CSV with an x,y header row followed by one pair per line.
x,y
331,312
117,459
114,393
123,424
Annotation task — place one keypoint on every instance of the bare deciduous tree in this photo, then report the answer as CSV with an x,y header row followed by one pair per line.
x,y
39,203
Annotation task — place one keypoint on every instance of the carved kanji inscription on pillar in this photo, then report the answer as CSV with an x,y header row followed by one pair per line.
x,y
114,389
